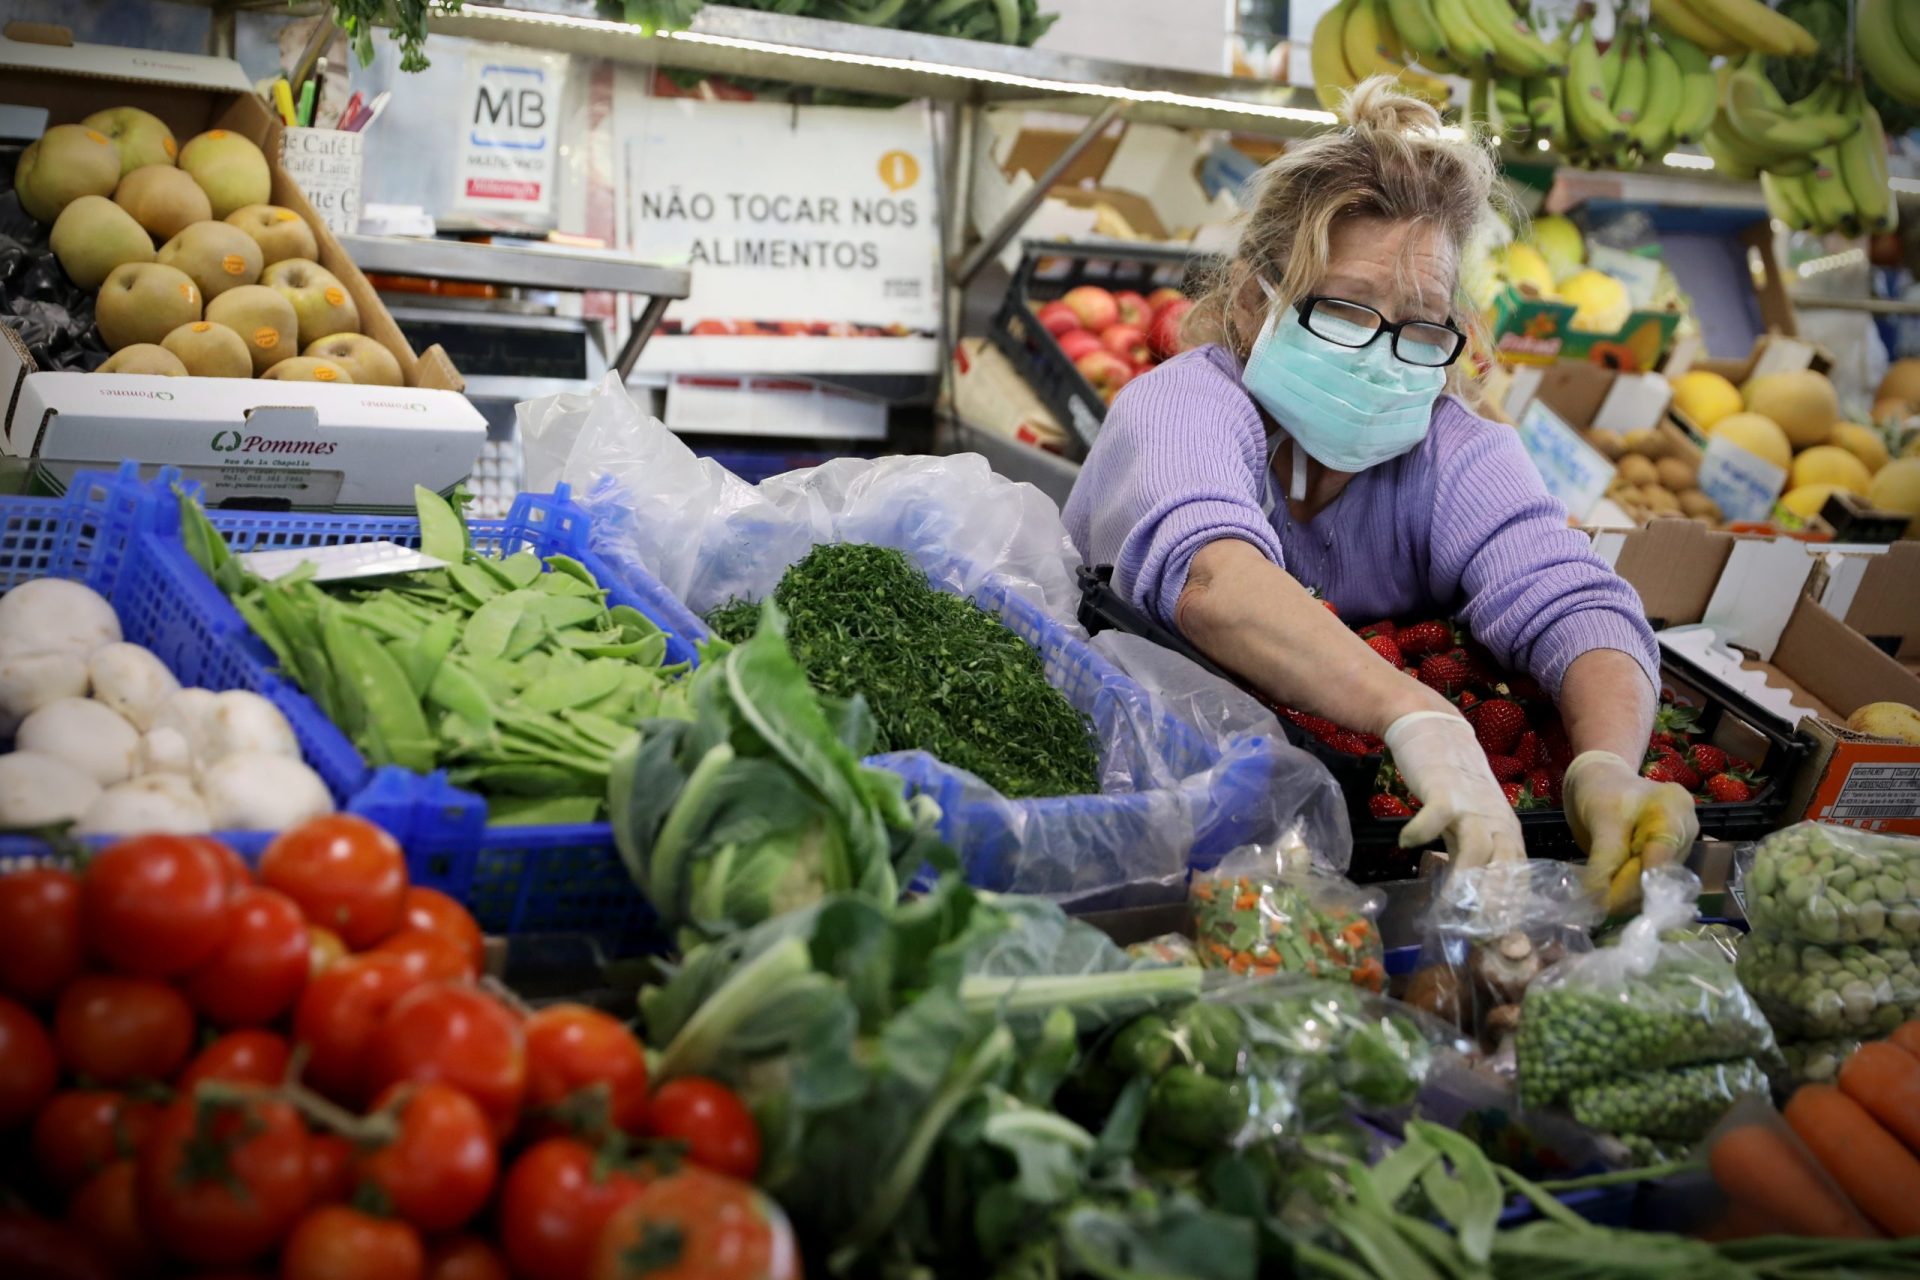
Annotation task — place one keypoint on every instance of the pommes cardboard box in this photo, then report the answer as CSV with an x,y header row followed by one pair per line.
x,y
259,443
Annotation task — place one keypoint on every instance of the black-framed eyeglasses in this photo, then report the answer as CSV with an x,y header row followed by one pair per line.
x,y
1354,324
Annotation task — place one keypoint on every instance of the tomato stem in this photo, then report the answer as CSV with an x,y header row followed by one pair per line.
x,y
365,1131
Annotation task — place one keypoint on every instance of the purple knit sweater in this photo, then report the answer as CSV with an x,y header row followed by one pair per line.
x,y
1460,524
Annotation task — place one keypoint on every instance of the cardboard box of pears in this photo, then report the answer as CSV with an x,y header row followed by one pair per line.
x,y
246,346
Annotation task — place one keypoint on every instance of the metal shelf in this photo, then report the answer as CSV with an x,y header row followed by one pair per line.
x,y
877,60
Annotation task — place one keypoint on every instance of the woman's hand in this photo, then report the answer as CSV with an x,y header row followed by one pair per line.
x,y
1442,762
1625,822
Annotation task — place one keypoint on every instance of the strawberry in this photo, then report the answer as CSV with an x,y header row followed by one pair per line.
x,y
1727,788
1498,724
1706,759
1354,744
1505,768
1384,627
1447,672
1736,765
1467,700
1331,607
1670,768
1671,724
1318,726
1385,647
1423,638
1525,688
1520,796
1553,739
1384,806
1529,750
1544,786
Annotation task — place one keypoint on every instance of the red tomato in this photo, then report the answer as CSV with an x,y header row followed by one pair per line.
x,y
439,1169
553,1204
465,1258
324,948
337,1243
239,1057
155,906
105,1214
570,1049
82,1131
458,1035
35,1249
238,874
433,957
259,971
28,1068
330,1159
221,1183
117,1030
435,912
697,1225
710,1119
338,1018
345,873
40,947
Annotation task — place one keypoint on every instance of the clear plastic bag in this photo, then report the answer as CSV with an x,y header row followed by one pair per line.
x,y
1815,1061
1252,916
1488,932
1820,883
1190,767
1637,1006
1679,1104
1811,992
1168,948
1770,1184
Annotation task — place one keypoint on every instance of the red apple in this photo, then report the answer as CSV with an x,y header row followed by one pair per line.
x,y
1058,318
1094,306
1163,335
1160,299
706,327
1129,342
1133,308
1105,372
1077,342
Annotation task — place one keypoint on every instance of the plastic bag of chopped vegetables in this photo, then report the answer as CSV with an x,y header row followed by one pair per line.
x,y
1254,917
1636,1007
1809,991
1816,1061
1488,932
1821,883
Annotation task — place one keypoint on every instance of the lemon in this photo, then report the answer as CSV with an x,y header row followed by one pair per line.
x,y
1600,301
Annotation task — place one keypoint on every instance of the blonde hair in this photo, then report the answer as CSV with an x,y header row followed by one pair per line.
x,y
1388,160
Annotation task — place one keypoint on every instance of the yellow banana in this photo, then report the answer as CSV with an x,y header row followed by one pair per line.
x,y
1414,22
1592,119
1680,20
1755,26
1787,200
1516,49
1893,63
1369,48
1331,74
1467,44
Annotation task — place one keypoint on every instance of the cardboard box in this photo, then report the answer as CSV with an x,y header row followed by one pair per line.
x,y
1530,330
989,394
1877,593
296,444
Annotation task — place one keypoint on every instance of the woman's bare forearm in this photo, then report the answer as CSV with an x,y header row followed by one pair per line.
x,y
1253,618
1607,704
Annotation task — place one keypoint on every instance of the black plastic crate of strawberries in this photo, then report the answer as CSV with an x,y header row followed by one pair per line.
x,y
1049,270
1739,796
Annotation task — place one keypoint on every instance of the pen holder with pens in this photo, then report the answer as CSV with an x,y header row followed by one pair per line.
x,y
327,163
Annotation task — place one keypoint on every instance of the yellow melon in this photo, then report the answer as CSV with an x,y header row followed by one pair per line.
x,y
1801,402
1759,436
1705,397
1806,500
1902,381
1896,487
1561,244
1523,265
1832,465
1600,302
1863,443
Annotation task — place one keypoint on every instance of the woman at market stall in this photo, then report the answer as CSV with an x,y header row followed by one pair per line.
x,y
1318,439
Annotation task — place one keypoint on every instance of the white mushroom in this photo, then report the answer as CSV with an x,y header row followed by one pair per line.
x,y
164,751
52,614
131,681
29,681
91,737
187,713
38,790
163,802
263,793
243,723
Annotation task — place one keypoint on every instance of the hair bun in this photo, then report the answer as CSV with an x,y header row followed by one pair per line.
x,y
1382,103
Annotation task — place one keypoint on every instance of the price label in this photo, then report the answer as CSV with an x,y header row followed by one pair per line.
x,y
1574,471
1743,485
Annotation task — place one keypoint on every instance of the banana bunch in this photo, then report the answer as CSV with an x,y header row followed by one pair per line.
x,y
1739,26
1887,37
1757,132
1356,39
1846,189
1649,90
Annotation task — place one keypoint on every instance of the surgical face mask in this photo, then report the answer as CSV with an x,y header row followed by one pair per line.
x,y
1348,408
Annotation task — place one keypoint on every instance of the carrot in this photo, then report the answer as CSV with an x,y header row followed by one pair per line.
x,y
1760,1168
1907,1037
1871,1166
1886,1081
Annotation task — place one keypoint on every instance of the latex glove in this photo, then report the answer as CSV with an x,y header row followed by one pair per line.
x,y
1443,763
1625,822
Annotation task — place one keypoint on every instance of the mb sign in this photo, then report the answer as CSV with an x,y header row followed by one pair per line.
x,y
507,149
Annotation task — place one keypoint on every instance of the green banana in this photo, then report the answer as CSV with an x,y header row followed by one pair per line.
x,y
1892,61
1750,114
1862,159
1826,191
1699,91
1629,96
1654,129
1466,43
1787,200
1612,63
1589,115
1414,20
1516,49
1726,160
1510,100
1479,114
1546,108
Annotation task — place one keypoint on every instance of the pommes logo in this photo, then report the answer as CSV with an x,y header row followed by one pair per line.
x,y
226,441
235,442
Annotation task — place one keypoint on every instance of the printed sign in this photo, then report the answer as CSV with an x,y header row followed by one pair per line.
x,y
803,225
326,163
1574,471
1742,484
1874,792
510,132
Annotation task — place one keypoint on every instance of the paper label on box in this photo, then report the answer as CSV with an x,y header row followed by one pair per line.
x,y
326,164
1574,471
510,136
1742,484
1783,355
1877,790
